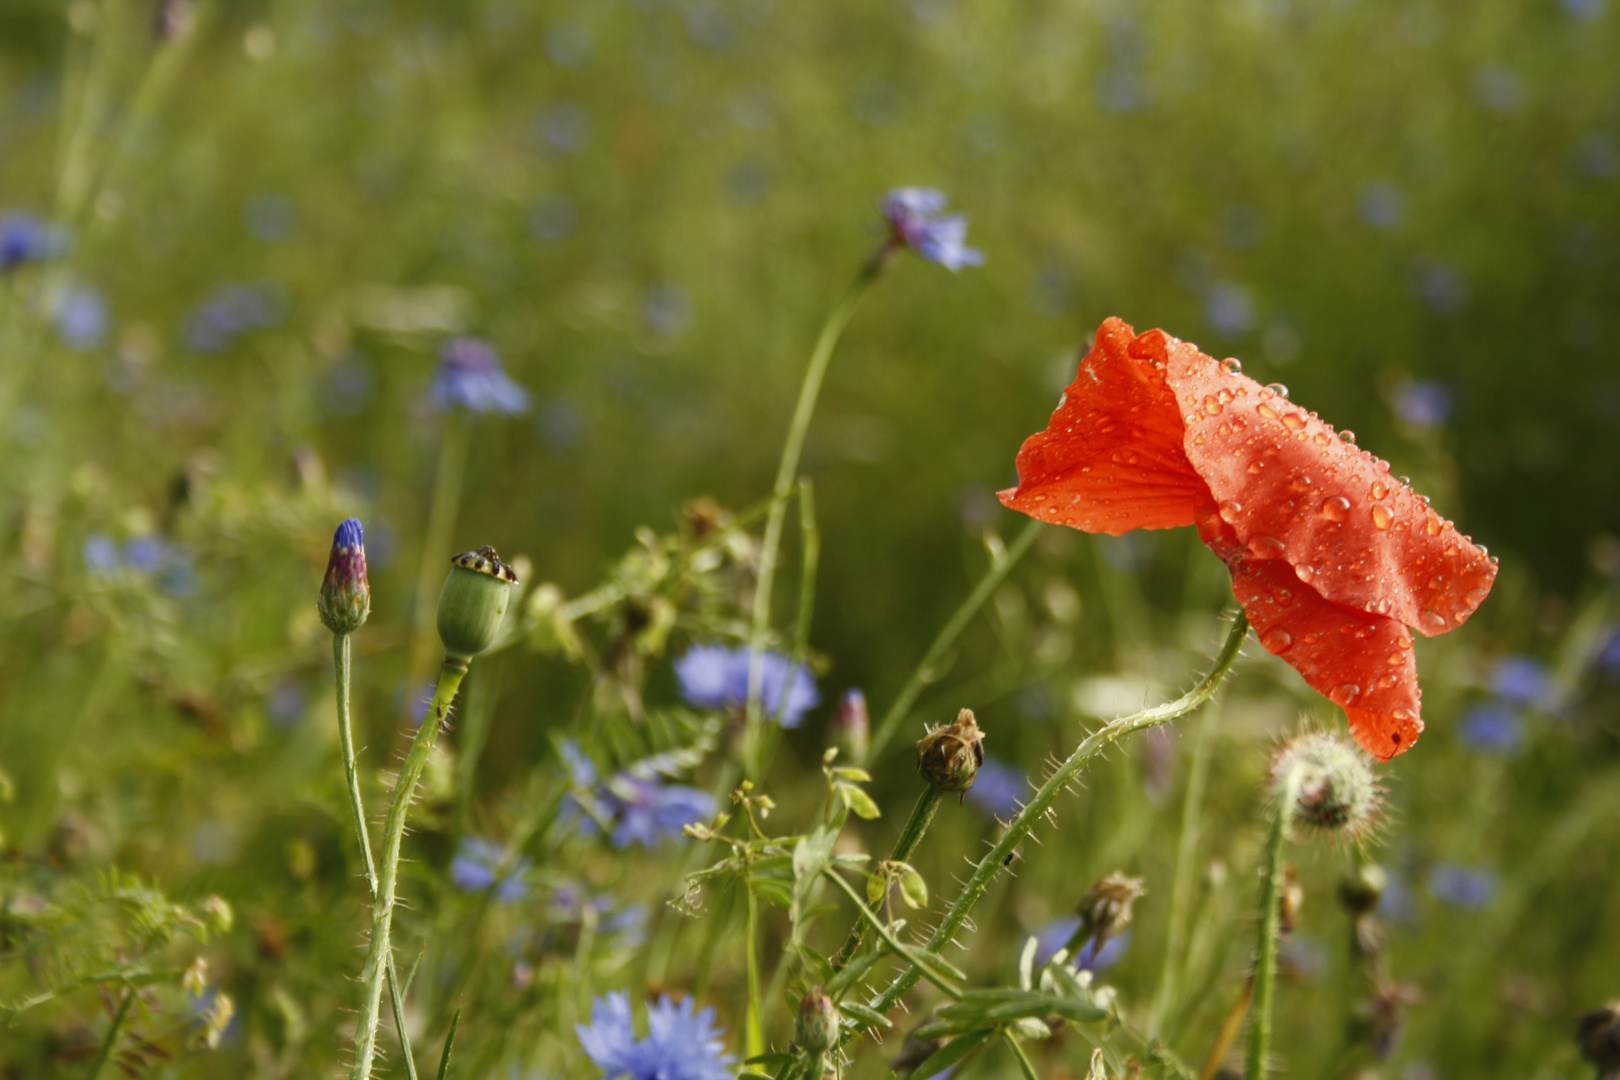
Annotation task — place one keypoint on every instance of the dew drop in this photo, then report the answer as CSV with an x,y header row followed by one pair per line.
x,y
1336,508
1224,397
1432,621
1407,480
1276,640
1266,411
1293,421
1301,482
1345,694
1379,489
1476,597
1212,406
1267,547
1304,573
1230,510
1278,388
1395,658
1483,550
1432,526
1437,581
1403,715
1382,517
1348,436
1231,366
1320,438
1256,467
1386,682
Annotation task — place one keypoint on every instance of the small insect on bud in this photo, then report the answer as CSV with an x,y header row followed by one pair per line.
x,y
473,602
817,1028
1107,906
1599,1036
854,725
949,756
345,598
1329,783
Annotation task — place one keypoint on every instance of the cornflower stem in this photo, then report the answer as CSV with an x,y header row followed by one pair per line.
x,y
1000,566
1164,999
382,918
922,815
111,1040
1265,962
985,870
342,664
883,932
786,471
755,1021
436,541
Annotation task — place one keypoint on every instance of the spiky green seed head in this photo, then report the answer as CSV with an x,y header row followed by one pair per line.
x,y
473,602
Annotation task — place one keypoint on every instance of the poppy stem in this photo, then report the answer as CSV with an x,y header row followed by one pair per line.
x,y
986,869
1265,963
781,493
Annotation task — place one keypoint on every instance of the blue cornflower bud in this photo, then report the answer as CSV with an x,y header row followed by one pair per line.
x,y
470,377
854,724
915,223
345,599
24,238
473,602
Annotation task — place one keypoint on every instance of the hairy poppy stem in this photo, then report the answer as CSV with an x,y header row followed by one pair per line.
x,y
382,918
781,493
1265,963
342,664
985,870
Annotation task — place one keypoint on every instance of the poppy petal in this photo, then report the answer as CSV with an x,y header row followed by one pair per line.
x,y
1113,457
1362,663
1294,490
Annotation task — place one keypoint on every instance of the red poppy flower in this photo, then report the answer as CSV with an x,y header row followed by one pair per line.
x,y
1331,557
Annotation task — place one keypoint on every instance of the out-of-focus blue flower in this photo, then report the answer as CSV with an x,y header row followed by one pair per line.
x,y
998,788
1586,10
1469,887
572,903
1424,403
1382,205
286,703
666,308
715,677
648,811
1441,286
565,127
144,553
470,376
101,555
1597,156
581,769
681,1043
1398,904
1230,307
916,222
477,867
1499,88
149,555
1491,727
1056,934
1607,658
1521,680
25,238
271,217
229,311
80,312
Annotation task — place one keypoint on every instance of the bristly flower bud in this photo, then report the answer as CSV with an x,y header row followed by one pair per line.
x,y
854,725
1330,784
473,602
817,1028
1107,906
1599,1036
949,756
345,599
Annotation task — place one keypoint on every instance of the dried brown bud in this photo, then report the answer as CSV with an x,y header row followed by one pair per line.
x,y
949,756
1107,906
1599,1036
1290,900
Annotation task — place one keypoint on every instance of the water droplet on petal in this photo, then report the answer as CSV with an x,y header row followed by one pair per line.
x,y
1304,573
1382,517
1476,597
1403,715
1224,397
1336,508
1483,550
1301,482
1230,510
1379,489
1348,436
1231,366
1267,547
1345,694
1212,406
1320,438
1395,658
1278,388
1266,411
1432,526
1293,421
1276,640
1432,621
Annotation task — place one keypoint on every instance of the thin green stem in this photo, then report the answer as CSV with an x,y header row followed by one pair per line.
x,y
441,528
786,471
1265,963
922,815
883,932
342,663
1023,1059
1181,884
756,1023
985,870
111,1040
365,1038
926,672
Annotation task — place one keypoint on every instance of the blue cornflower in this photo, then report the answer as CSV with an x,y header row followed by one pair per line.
x,y
647,811
915,222
681,1044
998,788
1423,403
81,316
1056,934
24,238
477,866
1521,680
470,376
1608,657
230,310
101,555
1492,727
715,677
1463,886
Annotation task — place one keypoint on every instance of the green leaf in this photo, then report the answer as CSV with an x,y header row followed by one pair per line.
x,y
876,886
1031,1028
983,1008
867,1017
774,1060
859,802
850,772
951,1053
449,1042
852,972
913,888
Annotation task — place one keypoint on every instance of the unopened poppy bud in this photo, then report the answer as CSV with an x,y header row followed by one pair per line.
x,y
345,598
949,756
817,1028
473,602
1599,1036
1331,787
854,725
1107,906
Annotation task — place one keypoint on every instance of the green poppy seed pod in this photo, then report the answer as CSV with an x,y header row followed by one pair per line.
x,y
817,1028
1329,782
949,756
345,598
473,602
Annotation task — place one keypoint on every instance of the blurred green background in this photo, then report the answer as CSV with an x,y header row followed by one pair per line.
x,y
1406,211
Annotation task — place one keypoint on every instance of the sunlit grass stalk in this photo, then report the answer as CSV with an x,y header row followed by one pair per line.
x,y
985,870
341,662
1265,963
1164,998
111,1041
1000,566
365,1040
441,525
786,472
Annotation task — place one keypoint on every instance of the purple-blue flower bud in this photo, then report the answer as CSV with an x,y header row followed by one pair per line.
x,y
346,594
854,724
